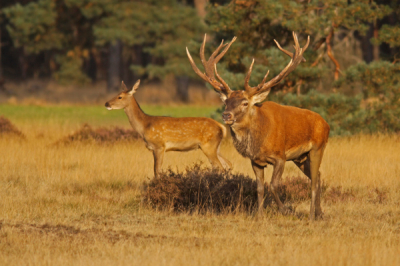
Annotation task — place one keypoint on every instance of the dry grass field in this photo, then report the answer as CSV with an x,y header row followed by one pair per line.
x,y
80,204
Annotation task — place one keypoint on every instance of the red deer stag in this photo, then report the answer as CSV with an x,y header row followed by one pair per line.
x,y
161,133
269,133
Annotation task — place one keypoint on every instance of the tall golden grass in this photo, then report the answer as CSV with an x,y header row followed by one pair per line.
x,y
80,204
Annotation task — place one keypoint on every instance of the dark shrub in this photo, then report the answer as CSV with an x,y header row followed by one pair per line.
x,y
6,127
99,135
203,190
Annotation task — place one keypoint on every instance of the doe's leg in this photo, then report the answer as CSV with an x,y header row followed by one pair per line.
x,y
158,155
211,152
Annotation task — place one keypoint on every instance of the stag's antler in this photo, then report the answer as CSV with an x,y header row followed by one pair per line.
x,y
209,66
297,58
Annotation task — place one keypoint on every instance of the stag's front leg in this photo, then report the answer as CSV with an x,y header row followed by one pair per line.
x,y
279,166
259,172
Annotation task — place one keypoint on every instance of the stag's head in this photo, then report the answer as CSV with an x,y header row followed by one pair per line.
x,y
123,99
239,104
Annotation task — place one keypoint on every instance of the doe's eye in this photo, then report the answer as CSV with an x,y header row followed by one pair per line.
x,y
245,104
119,97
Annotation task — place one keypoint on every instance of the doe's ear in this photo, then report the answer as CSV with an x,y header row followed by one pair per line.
x,y
123,87
135,87
259,97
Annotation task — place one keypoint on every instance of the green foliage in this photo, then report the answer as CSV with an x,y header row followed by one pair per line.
x,y
380,84
377,79
70,71
390,35
258,22
33,27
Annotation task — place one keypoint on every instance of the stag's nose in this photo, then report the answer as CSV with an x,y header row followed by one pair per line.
x,y
226,116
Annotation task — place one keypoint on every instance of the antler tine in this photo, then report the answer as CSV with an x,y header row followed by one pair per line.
x,y
247,79
265,78
226,86
195,68
296,41
228,45
297,58
203,45
286,51
208,65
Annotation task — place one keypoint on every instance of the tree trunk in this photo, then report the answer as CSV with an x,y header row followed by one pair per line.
x,y
201,7
182,88
330,53
376,47
127,74
366,46
1,66
23,64
114,66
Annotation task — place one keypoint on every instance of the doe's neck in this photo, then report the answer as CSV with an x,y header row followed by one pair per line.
x,y
137,118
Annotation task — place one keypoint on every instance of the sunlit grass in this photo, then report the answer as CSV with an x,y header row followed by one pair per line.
x,y
80,204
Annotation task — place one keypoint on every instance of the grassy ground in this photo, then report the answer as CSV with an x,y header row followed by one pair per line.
x,y
80,204
94,115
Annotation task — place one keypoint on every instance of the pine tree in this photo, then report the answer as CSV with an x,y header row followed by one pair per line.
x,y
258,22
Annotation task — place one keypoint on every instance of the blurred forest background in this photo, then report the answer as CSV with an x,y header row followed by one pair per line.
x,y
351,76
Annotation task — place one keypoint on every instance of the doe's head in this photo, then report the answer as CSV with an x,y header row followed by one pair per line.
x,y
123,99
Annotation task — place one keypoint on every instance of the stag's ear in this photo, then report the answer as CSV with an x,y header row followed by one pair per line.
x,y
134,88
259,97
222,96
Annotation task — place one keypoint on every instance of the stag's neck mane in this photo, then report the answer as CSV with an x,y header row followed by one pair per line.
x,y
244,135
137,118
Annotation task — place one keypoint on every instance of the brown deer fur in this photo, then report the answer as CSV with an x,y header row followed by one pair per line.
x,y
162,134
270,133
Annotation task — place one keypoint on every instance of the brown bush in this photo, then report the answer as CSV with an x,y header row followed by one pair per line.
x,y
6,127
100,135
210,190
297,188
337,194
378,196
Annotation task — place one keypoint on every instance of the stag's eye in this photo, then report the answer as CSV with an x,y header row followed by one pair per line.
x,y
119,97
245,104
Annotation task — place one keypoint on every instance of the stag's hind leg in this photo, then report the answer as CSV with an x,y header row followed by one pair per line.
x,y
315,162
305,167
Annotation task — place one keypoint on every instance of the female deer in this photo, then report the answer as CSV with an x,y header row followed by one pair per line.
x,y
161,133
